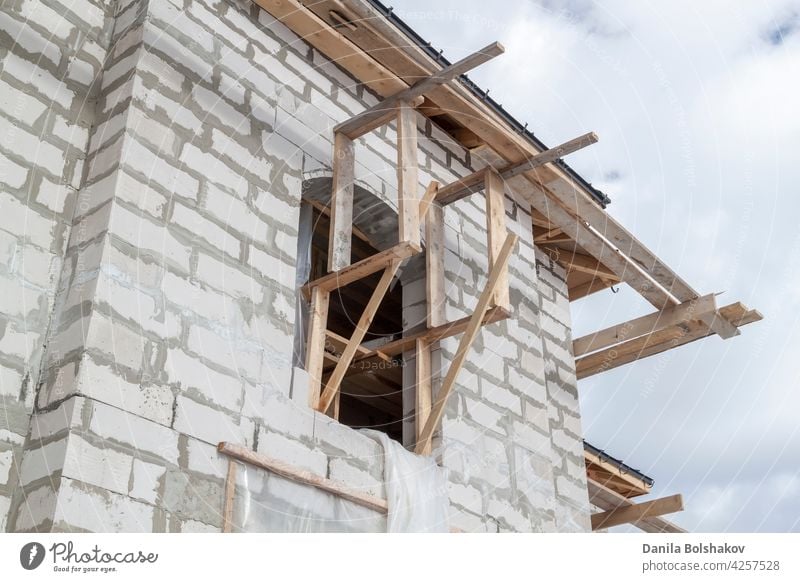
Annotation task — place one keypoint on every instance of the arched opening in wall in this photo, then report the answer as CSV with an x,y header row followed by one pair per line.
x,y
372,393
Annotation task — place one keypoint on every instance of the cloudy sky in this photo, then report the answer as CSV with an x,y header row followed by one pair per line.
x,y
696,106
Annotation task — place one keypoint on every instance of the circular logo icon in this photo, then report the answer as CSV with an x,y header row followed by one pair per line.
x,y
31,555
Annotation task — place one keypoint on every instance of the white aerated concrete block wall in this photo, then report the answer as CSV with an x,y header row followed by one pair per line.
x,y
151,186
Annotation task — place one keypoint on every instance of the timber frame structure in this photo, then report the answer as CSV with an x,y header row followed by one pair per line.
x,y
568,222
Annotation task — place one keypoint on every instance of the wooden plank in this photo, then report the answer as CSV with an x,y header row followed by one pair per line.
x,y
407,174
585,264
398,346
461,188
496,231
658,342
315,344
335,380
230,493
339,343
466,186
637,512
315,31
427,199
580,291
363,268
434,265
594,245
719,325
424,392
341,228
641,325
356,126
475,322
606,499
293,473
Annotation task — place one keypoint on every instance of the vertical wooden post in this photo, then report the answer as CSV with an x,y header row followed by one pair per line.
x,y
362,327
341,232
434,264
496,229
315,345
230,493
407,173
424,396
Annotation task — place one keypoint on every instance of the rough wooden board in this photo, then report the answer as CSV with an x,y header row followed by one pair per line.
x,y
496,231
651,323
474,325
606,499
302,476
637,512
424,393
658,342
363,268
407,174
445,330
341,227
356,126
353,344
315,344
230,492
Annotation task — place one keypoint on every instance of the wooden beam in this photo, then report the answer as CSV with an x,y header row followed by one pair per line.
x,y
461,188
407,174
398,346
356,126
341,228
584,289
230,493
466,186
637,512
427,199
475,322
315,343
288,471
363,268
434,265
585,264
658,342
315,31
335,380
606,499
496,231
642,325
424,393
591,242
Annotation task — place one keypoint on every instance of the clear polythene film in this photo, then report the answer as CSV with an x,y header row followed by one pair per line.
x,y
415,487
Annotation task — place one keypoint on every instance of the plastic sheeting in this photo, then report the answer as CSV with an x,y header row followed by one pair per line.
x,y
416,492
416,489
266,502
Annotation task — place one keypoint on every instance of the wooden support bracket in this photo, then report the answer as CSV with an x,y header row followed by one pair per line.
x,y
367,120
604,498
636,512
470,333
335,380
362,268
288,471
467,185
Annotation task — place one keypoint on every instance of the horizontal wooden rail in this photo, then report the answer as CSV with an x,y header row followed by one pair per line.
x,y
363,268
636,512
288,471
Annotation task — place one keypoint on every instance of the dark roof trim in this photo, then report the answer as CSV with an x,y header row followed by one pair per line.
x,y
617,463
599,196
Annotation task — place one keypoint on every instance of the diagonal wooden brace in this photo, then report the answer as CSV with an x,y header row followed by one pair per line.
x,y
335,380
475,322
